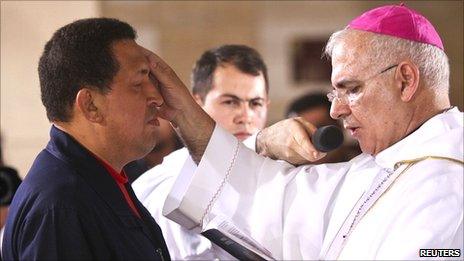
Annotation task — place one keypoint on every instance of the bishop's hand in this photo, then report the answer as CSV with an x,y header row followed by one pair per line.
x,y
289,140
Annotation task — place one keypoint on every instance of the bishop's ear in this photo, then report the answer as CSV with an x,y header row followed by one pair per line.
x,y
86,101
407,76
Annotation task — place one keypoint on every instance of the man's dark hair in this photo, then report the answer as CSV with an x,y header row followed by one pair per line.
x,y
307,102
244,58
79,54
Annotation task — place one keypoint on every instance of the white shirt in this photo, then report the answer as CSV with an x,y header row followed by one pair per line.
x,y
296,212
152,188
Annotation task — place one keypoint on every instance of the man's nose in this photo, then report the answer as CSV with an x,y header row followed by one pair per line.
x,y
339,109
245,114
154,93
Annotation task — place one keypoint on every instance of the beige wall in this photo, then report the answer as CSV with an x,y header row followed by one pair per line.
x,y
180,31
281,24
186,29
25,28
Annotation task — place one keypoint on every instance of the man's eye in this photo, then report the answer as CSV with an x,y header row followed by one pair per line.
x,y
256,104
354,90
230,102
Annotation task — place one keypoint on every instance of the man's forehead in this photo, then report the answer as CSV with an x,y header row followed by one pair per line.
x,y
226,68
129,53
236,93
349,61
229,79
240,92
351,51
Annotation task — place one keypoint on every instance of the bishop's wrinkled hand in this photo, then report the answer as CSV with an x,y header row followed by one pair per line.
x,y
191,122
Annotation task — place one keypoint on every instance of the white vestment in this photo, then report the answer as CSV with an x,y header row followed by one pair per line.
x,y
152,188
297,212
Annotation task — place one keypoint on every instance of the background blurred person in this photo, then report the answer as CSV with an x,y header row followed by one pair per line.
x,y
9,183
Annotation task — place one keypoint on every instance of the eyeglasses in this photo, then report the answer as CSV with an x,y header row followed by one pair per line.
x,y
351,95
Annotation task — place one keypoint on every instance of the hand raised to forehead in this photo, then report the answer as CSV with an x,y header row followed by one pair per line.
x,y
176,96
194,125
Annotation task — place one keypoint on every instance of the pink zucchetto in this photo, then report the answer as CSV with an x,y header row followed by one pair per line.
x,y
398,21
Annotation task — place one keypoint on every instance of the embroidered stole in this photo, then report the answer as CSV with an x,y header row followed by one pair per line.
x,y
368,199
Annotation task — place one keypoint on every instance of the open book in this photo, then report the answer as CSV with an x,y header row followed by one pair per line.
x,y
224,234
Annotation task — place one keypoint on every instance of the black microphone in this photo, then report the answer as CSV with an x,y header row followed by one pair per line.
x,y
327,138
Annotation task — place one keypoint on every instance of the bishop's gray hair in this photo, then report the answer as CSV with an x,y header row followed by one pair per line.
x,y
384,50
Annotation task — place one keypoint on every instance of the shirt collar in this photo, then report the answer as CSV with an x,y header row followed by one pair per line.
x,y
119,177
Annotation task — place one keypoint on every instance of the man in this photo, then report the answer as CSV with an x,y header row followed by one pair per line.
x,y
75,203
315,108
230,83
402,197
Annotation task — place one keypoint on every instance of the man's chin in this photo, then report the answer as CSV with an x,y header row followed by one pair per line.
x,y
147,147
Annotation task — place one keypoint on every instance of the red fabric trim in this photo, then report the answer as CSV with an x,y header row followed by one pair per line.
x,y
121,179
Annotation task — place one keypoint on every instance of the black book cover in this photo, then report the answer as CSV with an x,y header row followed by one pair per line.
x,y
231,246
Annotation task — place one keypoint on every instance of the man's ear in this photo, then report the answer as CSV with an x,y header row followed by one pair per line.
x,y
198,99
408,78
85,101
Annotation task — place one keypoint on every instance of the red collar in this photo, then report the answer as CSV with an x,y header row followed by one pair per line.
x,y
119,177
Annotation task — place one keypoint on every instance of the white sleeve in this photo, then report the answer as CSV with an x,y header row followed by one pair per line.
x,y
253,189
147,184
